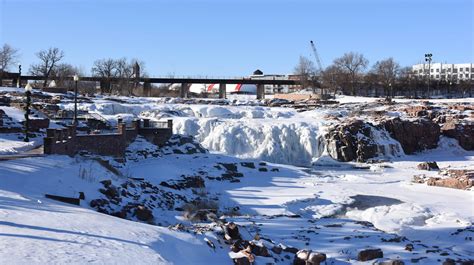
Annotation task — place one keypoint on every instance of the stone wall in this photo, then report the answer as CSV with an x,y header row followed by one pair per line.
x,y
67,142
36,125
103,144
157,136
60,141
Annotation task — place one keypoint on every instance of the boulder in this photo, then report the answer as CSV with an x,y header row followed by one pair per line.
x,y
290,250
106,182
308,257
143,213
98,203
461,131
259,250
111,193
316,258
432,165
248,164
413,135
370,254
229,166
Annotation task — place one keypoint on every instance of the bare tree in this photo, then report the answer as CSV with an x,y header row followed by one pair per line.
x,y
306,72
125,72
8,57
353,64
124,69
332,78
62,71
387,71
121,68
105,68
49,59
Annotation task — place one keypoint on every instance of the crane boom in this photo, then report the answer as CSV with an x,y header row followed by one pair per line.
x,y
316,56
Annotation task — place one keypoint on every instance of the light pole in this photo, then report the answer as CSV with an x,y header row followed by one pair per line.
x,y
76,79
428,59
390,90
28,89
18,82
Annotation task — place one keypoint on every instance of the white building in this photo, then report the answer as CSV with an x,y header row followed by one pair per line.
x,y
270,89
444,71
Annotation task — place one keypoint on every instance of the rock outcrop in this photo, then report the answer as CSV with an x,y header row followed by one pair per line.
x,y
451,178
455,179
356,140
413,135
431,165
351,141
461,131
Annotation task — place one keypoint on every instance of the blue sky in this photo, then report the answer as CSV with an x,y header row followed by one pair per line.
x,y
233,38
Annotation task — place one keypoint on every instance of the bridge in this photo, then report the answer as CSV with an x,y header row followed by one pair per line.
x,y
184,81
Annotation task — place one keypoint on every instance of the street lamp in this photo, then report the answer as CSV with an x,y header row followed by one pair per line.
x,y
28,89
390,89
428,59
76,79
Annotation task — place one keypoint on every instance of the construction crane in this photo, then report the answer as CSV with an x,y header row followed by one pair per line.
x,y
316,56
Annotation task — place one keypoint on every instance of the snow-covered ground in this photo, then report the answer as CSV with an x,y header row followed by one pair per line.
x,y
303,198
36,230
12,143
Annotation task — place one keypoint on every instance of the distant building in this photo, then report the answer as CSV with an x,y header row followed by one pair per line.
x,y
444,71
270,89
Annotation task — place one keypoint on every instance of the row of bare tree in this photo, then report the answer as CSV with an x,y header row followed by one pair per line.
x,y
50,65
348,75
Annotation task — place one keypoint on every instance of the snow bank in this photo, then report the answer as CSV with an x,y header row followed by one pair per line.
x,y
394,218
16,114
11,144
